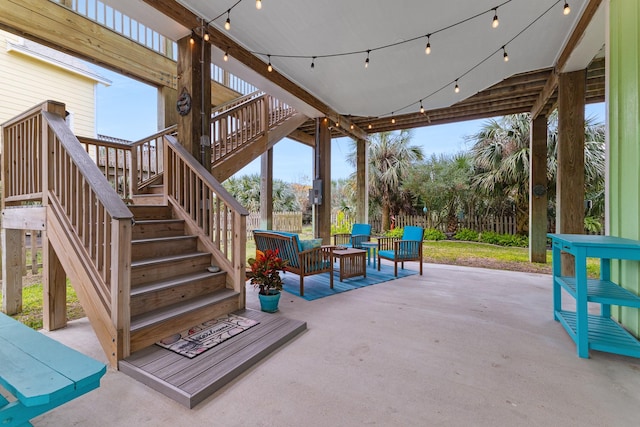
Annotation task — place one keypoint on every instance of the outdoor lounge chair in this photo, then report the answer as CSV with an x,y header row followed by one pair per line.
x,y
408,248
359,233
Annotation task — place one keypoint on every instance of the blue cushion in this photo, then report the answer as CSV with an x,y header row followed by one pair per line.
x,y
413,233
361,229
310,244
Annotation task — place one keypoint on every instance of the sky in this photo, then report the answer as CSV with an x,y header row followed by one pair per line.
x,y
127,109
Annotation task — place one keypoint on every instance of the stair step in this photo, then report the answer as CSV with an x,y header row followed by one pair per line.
x,y
157,228
146,199
162,246
152,269
175,310
175,289
151,211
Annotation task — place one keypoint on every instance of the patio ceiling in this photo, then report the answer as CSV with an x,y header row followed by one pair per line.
x,y
399,78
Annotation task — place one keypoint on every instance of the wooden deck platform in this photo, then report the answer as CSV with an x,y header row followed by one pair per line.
x,y
190,381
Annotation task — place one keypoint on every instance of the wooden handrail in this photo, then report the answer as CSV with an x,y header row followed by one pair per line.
x,y
209,210
236,102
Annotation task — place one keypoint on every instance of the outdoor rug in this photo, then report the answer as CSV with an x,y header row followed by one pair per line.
x,y
200,338
317,286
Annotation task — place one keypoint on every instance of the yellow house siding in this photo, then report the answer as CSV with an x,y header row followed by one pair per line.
x,y
26,81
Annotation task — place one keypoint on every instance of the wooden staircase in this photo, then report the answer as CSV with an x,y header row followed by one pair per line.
x,y
171,288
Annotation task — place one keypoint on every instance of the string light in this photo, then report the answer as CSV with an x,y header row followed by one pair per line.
x,y
192,39
352,126
206,36
258,4
495,22
366,61
457,88
269,67
369,127
226,55
566,10
427,49
393,119
313,62
227,23
421,107
504,54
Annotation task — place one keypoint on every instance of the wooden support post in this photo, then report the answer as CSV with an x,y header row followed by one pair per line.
x,y
266,190
538,191
194,84
54,288
570,176
322,172
362,181
12,272
167,111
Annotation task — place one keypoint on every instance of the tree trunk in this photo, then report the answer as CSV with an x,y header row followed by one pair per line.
x,y
385,215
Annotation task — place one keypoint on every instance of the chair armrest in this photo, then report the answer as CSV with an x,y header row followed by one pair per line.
x,y
357,239
386,243
341,239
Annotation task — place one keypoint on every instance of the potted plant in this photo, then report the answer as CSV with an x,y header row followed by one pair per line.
x,y
264,273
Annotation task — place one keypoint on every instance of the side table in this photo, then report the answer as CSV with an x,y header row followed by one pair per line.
x,y
372,251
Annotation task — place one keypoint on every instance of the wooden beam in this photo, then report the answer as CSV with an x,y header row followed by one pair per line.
x,y
28,218
322,171
302,137
11,252
574,39
538,191
570,175
56,26
188,19
266,190
362,181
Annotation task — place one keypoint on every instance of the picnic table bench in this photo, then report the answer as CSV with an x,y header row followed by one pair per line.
x,y
38,373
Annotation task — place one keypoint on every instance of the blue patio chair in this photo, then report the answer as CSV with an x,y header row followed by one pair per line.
x,y
359,233
408,248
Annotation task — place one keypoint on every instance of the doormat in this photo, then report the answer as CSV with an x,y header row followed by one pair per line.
x,y
200,338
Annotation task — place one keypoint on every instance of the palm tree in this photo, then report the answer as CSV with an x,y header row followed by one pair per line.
x,y
501,159
246,189
390,158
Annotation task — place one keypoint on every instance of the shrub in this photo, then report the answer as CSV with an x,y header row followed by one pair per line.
x,y
503,239
396,232
433,234
467,235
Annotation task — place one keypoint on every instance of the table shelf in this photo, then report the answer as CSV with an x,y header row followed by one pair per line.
x,y
605,334
602,292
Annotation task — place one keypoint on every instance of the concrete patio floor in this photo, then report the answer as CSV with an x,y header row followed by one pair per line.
x,y
458,346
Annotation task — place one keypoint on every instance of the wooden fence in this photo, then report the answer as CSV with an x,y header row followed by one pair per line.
x,y
501,225
282,221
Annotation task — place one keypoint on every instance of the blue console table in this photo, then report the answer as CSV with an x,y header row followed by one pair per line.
x,y
588,331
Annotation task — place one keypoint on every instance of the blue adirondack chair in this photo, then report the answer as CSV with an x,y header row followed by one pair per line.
x,y
359,233
408,248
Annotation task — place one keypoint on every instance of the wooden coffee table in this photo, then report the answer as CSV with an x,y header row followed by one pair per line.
x,y
353,262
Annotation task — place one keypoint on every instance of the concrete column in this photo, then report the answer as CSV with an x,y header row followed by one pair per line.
x,y
538,191
570,176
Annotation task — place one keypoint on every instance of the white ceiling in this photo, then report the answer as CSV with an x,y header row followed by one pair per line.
x,y
397,77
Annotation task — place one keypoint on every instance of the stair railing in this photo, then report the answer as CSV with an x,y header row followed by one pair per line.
x,y
209,208
235,128
88,225
235,102
115,160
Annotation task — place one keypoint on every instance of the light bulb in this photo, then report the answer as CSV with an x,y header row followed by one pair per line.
x,y
495,22
313,62
427,49
191,41
369,127
226,56
366,61
269,67
567,9
352,126
393,119
227,23
258,4
457,88
421,108
206,37
504,55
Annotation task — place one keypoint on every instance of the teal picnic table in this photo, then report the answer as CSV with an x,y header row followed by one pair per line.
x,y
39,373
